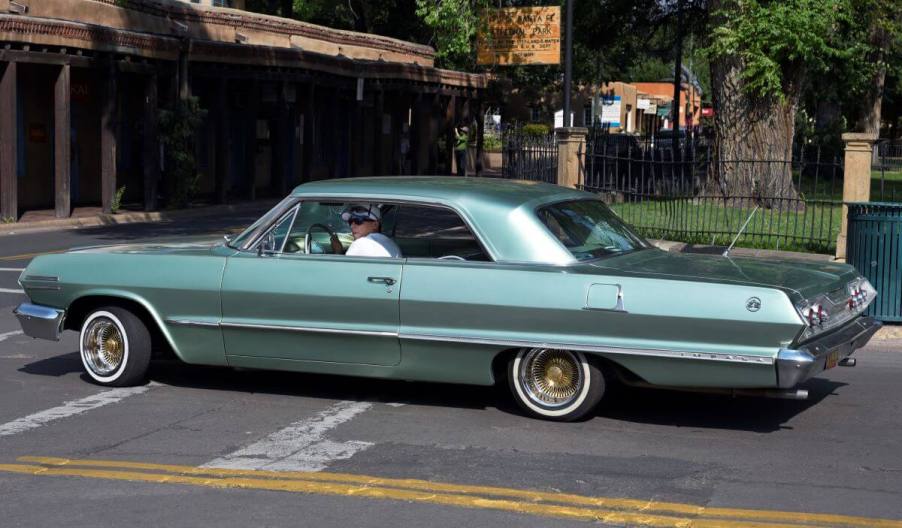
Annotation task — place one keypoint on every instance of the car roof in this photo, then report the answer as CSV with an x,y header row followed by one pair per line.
x,y
499,211
447,189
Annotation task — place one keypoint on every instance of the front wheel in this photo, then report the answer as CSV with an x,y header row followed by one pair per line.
x,y
559,385
115,347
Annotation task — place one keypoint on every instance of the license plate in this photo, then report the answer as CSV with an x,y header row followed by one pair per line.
x,y
832,360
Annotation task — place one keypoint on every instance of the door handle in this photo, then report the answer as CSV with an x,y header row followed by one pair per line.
x,y
388,281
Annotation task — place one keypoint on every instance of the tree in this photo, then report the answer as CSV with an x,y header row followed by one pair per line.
x,y
762,54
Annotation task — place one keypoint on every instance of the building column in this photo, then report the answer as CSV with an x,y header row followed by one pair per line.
x,y
450,138
9,192
415,131
378,143
250,146
308,132
62,141
480,136
280,148
570,141
151,144
856,180
108,139
223,162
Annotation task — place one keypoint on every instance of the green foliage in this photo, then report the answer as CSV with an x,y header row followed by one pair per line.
x,y
178,129
491,142
454,24
116,203
777,41
535,129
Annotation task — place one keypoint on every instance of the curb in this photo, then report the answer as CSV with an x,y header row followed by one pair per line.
x,y
131,218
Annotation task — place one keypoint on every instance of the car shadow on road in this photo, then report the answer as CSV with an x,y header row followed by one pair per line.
x,y
327,386
55,366
712,411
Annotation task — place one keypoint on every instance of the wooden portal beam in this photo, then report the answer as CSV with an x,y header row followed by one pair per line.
x,y
9,208
62,141
250,146
223,153
108,140
151,144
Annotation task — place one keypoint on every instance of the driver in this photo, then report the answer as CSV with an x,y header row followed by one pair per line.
x,y
365,221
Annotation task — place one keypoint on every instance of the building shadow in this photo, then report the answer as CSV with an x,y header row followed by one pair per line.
x,y
712,411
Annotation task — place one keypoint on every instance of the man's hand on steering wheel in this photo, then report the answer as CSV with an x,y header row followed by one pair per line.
x,y
337,248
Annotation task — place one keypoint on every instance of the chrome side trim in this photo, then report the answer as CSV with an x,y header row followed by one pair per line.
x,y
45,278
649,352
281,328
40,322
508,343
187,322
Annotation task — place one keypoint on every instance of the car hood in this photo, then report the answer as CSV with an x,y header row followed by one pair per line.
x,y
804,278
197,245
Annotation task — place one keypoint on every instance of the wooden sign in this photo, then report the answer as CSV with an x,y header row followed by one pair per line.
x,y
520,35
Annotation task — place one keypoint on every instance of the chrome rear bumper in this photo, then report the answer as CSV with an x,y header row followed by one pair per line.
x,y
39,321
797,365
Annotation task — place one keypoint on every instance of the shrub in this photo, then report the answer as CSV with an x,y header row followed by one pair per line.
x,y
535,129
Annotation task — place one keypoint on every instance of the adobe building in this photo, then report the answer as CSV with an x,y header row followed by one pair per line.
x,y
82,84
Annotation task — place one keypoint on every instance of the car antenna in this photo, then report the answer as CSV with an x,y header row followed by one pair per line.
x,y
726,252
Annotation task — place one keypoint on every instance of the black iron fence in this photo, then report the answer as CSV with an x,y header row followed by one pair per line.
x,y
527,156
887,171
696,195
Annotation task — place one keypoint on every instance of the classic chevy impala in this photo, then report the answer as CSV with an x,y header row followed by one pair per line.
x,y
537,285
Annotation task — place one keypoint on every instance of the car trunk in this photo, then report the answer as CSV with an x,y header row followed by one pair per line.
x,y
801,279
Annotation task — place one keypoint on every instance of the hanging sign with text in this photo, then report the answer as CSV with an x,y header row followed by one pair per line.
x,y
520,35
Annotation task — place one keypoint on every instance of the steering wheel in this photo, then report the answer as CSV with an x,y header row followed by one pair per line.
x,y
451,257
308,240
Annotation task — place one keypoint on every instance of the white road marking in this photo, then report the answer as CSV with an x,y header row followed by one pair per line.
x,y
7,335
9,290
301,446
33,421
12,269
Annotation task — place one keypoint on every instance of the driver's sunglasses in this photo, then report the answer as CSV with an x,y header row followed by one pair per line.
x,y
358,220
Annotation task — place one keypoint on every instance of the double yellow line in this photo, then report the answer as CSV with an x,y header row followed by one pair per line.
x,y
616,511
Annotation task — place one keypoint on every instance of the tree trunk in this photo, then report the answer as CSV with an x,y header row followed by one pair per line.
x,y
287,7
872,100
753,136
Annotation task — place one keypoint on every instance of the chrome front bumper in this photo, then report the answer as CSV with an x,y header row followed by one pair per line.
x,y
39,321
797,365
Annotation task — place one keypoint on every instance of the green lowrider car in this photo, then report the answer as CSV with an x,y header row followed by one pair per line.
x,y
530,284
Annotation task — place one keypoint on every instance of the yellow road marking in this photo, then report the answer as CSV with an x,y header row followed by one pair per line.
x,y
24,256
331,488
390,487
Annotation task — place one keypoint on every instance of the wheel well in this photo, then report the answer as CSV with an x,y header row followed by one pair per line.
x,y
615,371
80,308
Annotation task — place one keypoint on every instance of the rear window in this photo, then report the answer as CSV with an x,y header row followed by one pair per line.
x,y
589,230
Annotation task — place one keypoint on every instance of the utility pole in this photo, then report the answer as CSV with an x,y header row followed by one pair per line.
x,y
677,78
568,62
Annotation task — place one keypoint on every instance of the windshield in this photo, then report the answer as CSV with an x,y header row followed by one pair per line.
x,y
248,234
588,229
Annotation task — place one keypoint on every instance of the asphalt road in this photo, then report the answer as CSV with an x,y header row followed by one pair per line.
x,y
302,450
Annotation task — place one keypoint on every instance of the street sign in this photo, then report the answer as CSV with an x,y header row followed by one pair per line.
x,y
520,35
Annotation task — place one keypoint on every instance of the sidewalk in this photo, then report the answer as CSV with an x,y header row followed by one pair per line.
x,y
34,221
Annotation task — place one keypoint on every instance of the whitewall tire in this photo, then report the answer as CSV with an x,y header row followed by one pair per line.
x,y
560,385
115,347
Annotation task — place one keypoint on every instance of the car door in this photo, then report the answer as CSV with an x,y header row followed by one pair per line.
x,y
310,307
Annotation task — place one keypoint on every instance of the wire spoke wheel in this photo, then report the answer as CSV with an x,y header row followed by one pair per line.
x,y
555,384
103,346
551,378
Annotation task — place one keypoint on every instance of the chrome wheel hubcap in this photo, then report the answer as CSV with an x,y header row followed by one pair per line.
x,y
103,347
552,378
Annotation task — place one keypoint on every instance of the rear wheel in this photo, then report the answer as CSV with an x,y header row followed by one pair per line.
x,y
115,347
560,385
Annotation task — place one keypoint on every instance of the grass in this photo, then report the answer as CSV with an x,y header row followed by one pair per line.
x,y
705,221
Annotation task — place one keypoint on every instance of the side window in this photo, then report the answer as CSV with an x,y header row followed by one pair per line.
x,y
434,232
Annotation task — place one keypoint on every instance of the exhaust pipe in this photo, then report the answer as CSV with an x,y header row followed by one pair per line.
x,y
848,362
798,394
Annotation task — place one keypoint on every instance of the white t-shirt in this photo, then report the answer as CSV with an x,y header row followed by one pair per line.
x,y
374,245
